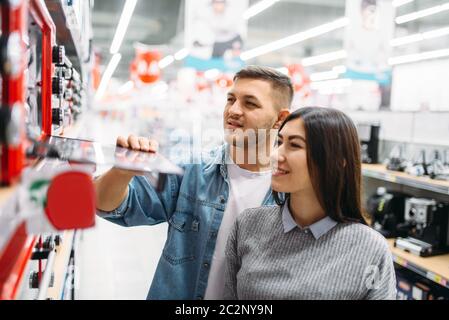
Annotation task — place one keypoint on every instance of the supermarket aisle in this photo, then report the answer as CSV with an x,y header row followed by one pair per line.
x,y
117,262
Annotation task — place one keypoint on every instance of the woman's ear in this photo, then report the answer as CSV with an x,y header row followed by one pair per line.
x,y
282,115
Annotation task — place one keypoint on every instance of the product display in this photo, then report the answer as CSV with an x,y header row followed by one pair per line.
x,y
369,142
387,211
411,286
428,224
419,167
438,167
396,160
41,95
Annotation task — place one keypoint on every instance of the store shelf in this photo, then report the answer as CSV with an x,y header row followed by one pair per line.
x,y
14,258
379,171
61,265
69,33
5,193
434,268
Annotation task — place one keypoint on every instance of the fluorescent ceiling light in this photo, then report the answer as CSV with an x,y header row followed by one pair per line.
x,y
181,54
113,63
122,26
295,38
420,37
166,61
258,8
331,90
159,88
331,84
211,74
419,57
398,3
331,56
128,85
328,75
436,33
422,13
405,40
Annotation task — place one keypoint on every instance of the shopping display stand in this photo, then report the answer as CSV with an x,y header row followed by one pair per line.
x,y
21,251
379,171
434,268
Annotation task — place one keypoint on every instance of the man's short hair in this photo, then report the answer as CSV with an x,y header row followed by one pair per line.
x,y
280,83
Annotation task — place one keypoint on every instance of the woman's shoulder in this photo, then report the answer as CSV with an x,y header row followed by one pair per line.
x,y
263,214
255,222
258,211
363,234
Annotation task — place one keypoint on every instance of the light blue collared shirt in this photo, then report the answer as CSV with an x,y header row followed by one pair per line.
x,y
317,229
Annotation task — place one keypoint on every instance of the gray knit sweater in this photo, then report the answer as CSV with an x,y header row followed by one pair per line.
x,y
351,261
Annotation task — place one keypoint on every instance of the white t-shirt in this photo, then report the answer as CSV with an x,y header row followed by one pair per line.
x,y
247,189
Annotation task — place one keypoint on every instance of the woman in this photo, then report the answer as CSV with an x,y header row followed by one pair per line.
x,y
315,244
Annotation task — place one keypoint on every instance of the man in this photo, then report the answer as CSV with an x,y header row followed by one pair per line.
x,y
201,206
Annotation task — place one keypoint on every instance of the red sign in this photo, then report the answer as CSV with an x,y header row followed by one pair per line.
x,y
144,67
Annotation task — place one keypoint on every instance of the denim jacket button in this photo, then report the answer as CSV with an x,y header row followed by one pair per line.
x,y
206,265
222,200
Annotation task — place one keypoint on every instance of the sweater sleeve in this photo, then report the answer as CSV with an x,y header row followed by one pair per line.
x,y
381,279
233,263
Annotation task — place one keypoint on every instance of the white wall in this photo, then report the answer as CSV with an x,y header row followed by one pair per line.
x,y
412,127
421,86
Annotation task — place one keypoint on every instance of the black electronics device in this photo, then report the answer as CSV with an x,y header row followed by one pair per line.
x,y
369,142
428,224
396,160
387,212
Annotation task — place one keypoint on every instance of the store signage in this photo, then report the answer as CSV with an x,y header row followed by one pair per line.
x,y
215,33
367,44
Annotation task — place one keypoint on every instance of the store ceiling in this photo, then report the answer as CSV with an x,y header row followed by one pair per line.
x,y
160,22
154,22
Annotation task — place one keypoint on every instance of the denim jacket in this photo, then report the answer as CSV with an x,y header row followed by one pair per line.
x,y
193,205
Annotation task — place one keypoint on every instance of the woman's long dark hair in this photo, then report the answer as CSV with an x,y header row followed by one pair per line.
x,y
333,159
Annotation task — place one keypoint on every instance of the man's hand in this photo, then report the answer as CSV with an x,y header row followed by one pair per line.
x,y
112,187
138,144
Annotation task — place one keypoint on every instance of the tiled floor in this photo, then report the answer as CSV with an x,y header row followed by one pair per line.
x,y
117,262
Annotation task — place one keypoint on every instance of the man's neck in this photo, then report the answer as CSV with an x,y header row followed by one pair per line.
x,y
250,159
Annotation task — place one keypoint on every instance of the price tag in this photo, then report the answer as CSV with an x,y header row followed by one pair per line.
x,y
437,278
390,178
400,261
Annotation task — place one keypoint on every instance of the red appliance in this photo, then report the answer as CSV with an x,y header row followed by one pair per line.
x,y
28,56
13,90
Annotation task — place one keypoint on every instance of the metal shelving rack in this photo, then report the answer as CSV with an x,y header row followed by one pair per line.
x,y
59,25
433,268
380,172
69,32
